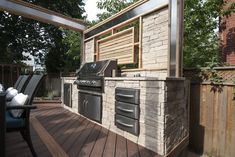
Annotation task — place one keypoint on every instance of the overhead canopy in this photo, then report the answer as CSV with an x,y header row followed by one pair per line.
x,y
31,11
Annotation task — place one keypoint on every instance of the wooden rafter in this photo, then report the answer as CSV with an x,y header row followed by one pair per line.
x,y
35,12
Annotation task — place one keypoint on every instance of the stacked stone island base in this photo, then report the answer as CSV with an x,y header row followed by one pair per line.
x,y
163,111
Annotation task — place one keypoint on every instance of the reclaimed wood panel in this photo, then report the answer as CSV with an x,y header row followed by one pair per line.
x,y
212,120
118,46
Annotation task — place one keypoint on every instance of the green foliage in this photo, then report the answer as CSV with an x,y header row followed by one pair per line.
x,y
73,40
210,73
18,34
201,20
111,7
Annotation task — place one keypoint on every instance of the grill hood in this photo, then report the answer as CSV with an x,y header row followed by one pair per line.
x,y
97,69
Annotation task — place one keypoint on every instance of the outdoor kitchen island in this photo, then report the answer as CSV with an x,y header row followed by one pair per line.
x,y
163,110
143,96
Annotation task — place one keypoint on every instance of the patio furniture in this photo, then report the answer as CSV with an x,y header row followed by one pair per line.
x,y
22,124
21,82
2,124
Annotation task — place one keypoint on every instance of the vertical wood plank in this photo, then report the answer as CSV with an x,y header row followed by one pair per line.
x,y
222,116
100,143
110,145
144,152
216,120
132,149
215,129
230,125
209,119
121,147
90,142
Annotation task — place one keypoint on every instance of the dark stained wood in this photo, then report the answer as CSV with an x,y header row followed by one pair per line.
x,y
67,131
68,143
100,143
132,149
121,150
212,120
77,146
62,126
89,144
144,152
110,145
53,147
74,134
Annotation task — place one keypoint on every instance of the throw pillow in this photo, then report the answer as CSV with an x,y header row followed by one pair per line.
x,y
8,89
11,94
19,100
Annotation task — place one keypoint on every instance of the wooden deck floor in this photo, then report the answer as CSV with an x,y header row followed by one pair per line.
x,y
58,132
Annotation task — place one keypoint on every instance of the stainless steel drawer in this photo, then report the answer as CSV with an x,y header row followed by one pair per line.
x,y
128,95
126,109
127,124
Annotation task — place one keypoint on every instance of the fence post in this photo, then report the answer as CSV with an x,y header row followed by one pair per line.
x,y
2,124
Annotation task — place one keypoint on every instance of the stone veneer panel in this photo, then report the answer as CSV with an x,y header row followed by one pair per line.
x,y
155,40
89,51
163,112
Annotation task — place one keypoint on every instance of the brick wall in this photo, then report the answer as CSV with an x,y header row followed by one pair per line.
x,y
227,38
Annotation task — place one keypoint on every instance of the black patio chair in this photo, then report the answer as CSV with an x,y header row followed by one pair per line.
x,y
21,82
18,81
22,124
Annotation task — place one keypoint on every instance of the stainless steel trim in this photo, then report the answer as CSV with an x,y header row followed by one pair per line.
x,y
125,95
125,110
173,37
126,125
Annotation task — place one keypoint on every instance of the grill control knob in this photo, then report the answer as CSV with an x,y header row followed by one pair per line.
x,y
93,82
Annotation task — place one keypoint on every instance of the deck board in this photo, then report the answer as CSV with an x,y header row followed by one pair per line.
x,y
110,145
121,150
74,134
100,143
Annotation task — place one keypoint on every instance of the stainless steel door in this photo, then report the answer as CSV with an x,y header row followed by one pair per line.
x,y
90,106
93,107
68,94
81,103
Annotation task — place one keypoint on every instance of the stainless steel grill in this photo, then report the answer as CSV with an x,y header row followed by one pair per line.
x,y
91,75
91,79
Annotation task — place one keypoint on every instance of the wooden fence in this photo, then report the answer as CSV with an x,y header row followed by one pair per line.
x,y
212,120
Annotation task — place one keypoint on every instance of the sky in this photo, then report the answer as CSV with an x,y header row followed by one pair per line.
x,y
91,9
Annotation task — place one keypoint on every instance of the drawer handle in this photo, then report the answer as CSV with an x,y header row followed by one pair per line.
x,y
124,95
126,125
125,110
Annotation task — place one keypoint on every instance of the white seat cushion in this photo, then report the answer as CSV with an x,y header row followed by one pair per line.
x,y
8,89
19,100
12,93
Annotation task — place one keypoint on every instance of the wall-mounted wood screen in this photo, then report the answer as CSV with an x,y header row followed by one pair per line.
x,y
118,46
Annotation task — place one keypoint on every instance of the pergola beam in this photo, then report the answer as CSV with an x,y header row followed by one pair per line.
x,y
38,13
